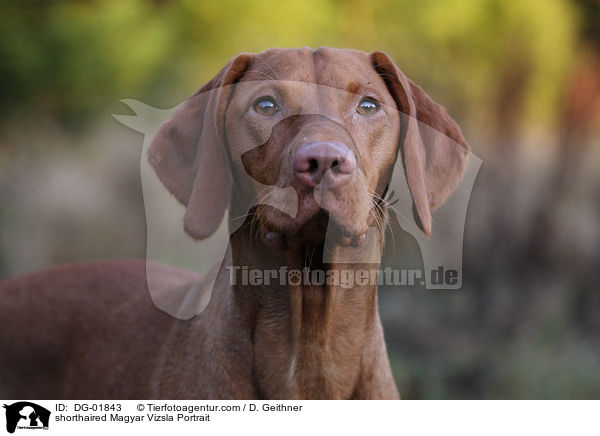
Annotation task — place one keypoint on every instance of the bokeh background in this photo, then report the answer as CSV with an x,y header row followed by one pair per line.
x,y
521,78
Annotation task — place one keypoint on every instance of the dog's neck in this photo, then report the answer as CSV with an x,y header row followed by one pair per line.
x,y
310,338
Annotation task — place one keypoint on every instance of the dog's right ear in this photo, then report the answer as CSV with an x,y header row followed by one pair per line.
x,y
189,152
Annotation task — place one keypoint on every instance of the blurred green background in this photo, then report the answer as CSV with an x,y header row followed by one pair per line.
x,y
521,78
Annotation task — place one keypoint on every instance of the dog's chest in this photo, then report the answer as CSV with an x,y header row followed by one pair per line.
x,y
308,369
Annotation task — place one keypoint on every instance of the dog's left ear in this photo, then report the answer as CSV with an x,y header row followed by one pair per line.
x,y
434,151
189,156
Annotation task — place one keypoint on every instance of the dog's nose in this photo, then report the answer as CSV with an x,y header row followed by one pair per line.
x,y
314,159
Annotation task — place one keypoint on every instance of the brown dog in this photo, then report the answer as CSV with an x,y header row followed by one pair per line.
x,y
325,122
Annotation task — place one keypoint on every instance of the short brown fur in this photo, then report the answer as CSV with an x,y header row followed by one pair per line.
x,y
91,330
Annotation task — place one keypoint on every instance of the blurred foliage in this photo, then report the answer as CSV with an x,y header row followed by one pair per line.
x,y
75,58
69,57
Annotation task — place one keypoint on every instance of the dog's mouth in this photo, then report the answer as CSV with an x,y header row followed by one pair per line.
x,y
313,225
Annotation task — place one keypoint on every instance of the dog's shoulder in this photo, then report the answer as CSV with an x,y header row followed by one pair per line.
x,y
91,288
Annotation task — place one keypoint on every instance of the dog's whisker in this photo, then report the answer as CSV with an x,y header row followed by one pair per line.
x,y
378,217
241,217
312,255
381,219
269,65
262,197
387,204
264,74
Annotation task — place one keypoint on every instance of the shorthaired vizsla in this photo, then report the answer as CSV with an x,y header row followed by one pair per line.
x,y
327,123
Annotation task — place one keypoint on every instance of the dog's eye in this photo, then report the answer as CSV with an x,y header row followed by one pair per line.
x,y
266,106
367,106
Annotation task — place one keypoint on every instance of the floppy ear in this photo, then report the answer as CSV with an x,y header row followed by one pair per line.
x,y
434,151
189,152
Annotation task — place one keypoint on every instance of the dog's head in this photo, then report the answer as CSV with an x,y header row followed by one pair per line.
x,y
328,123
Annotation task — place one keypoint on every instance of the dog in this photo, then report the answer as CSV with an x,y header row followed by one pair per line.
x,y
328,123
